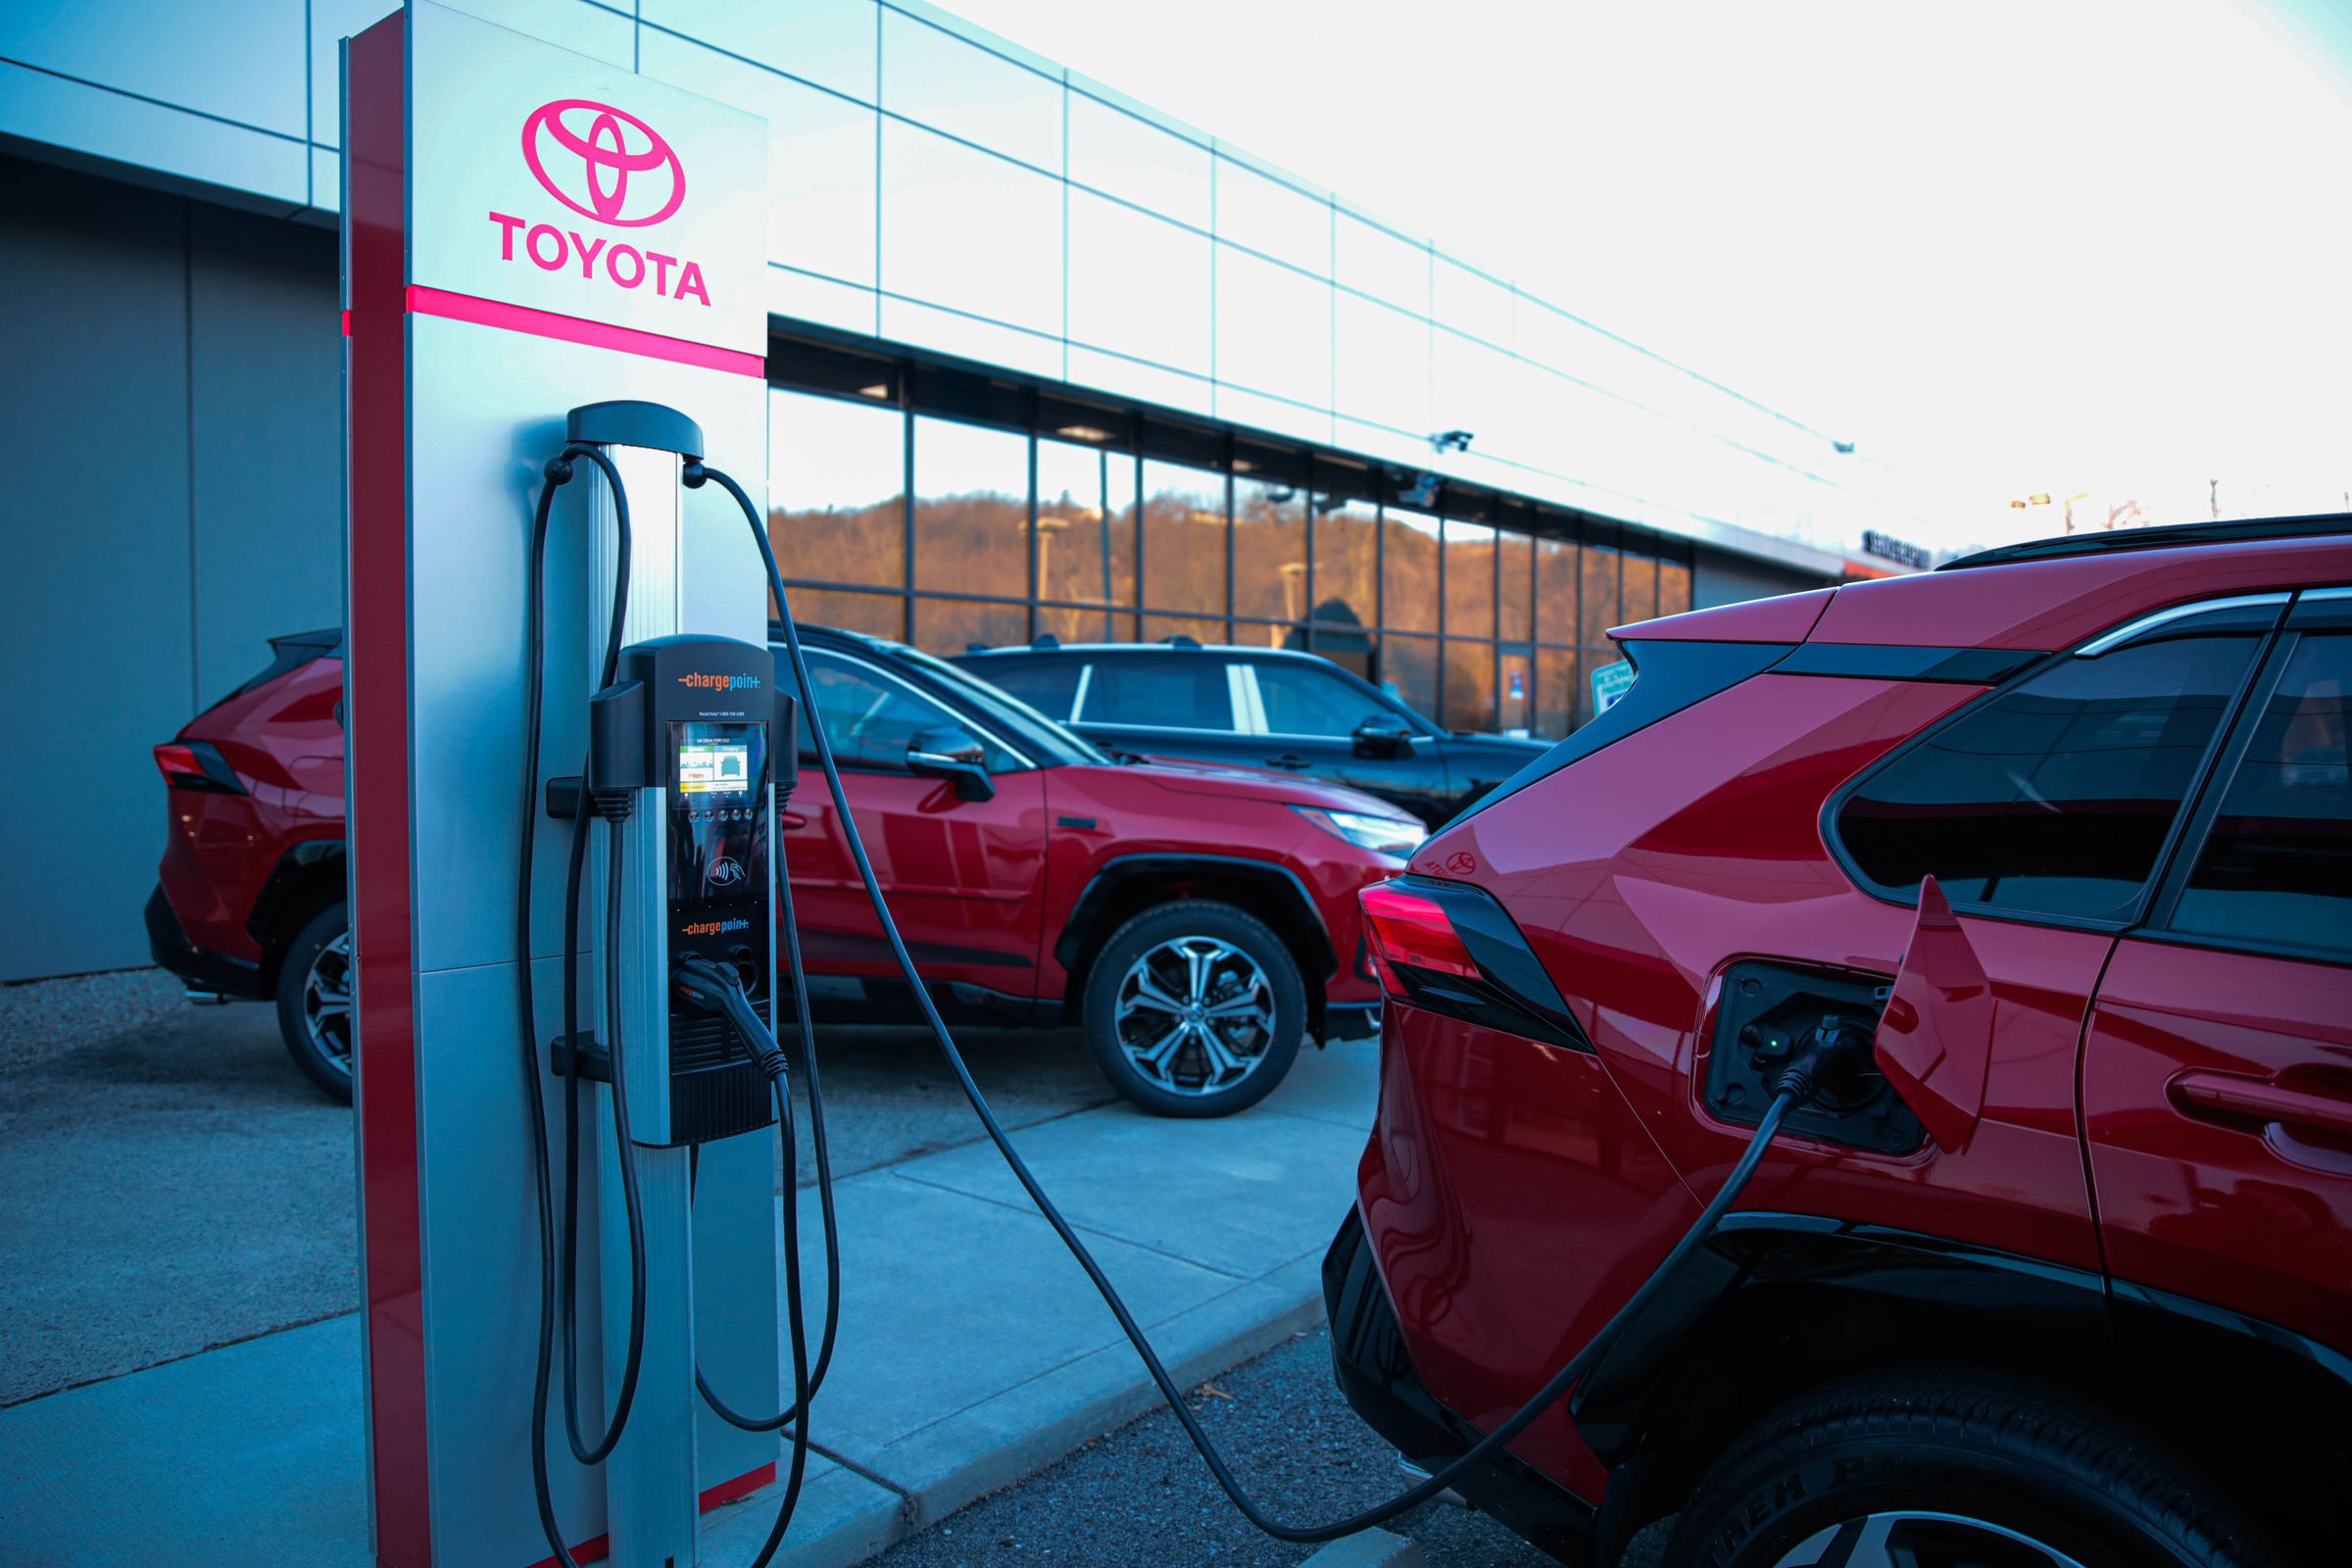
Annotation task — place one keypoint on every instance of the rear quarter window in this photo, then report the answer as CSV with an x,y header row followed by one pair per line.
x,y
2055,797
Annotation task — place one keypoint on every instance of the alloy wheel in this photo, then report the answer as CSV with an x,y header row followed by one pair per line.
x,y
1195,1015
1909,1539
326,1003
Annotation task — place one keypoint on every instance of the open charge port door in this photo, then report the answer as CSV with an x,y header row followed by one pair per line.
x,y
1764,1013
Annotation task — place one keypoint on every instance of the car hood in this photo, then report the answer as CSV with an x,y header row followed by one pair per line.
x,y
1246,783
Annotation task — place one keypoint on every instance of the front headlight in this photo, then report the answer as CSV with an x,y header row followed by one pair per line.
x,y
1382,835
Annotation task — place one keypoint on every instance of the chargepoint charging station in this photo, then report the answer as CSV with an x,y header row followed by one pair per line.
x,y
529,232
553,279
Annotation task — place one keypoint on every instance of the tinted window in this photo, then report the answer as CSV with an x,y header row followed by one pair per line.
x,y
870,719
2055,797
1047,687
2277,863
1185,693
1302,700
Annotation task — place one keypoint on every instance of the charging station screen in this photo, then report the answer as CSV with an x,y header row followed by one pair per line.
x,y
713,767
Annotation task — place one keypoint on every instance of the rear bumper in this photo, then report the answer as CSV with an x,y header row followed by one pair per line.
x,y
1376,1373
200,968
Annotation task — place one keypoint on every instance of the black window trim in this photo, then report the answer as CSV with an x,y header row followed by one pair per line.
x,y
2181,860
2191,801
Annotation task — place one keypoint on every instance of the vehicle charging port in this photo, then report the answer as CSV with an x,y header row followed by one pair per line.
x,y
1767,1014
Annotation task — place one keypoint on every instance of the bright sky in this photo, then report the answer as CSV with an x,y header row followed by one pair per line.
x,y
2006,246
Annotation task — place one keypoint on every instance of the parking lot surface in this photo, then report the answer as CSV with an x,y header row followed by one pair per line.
x,y
1141,1495
174,1184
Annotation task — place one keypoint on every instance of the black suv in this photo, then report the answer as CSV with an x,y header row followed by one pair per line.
x,y
1255,708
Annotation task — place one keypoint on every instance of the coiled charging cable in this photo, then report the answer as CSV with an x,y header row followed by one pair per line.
x,y
1795,1087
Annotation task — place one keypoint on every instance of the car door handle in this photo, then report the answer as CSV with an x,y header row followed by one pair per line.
x,y
2233,1095
791,819
1289,761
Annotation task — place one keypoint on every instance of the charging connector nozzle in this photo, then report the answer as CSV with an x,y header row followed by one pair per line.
x,y
1826,1049
715,987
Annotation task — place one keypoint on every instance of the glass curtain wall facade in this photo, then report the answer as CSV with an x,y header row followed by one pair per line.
x,y
949,508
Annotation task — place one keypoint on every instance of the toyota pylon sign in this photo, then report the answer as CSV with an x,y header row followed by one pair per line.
x,y
589,193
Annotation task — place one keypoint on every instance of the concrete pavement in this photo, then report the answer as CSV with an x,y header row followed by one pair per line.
x,y
972,1349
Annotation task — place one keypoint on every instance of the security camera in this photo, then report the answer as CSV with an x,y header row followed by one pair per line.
x,y
1452,440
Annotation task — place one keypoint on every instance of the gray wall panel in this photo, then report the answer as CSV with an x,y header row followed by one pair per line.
x,y
1721,579
94,594
268,361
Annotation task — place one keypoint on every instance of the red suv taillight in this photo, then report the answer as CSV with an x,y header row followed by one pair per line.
x,y
1450,947
1411,928
196,766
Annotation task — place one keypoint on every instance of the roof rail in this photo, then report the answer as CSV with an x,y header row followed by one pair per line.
x,y
2163,536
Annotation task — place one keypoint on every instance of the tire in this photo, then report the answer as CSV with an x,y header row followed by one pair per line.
x,y
314,1001
2014,1476
1243,963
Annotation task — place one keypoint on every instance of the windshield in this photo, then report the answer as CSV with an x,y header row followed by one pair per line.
x,y
1049,742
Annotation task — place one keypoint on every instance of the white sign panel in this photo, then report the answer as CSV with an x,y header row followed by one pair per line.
x,y
556,182
1610,682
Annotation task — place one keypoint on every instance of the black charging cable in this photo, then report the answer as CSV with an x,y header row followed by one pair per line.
x,y
715,987
559,473
1785,1099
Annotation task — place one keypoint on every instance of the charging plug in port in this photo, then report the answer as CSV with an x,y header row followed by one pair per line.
x,y
1767,1015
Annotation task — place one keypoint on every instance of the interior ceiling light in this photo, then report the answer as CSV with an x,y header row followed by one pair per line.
x,y
880,389
1083,433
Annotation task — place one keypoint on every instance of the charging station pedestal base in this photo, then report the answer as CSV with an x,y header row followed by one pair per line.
x,y
527,230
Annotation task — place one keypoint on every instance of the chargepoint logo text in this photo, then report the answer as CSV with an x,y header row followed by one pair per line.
x,y
610,167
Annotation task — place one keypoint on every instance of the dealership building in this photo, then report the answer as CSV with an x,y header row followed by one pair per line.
x,y
1043,360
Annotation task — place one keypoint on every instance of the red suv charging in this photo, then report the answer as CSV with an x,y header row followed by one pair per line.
x,y
1198,922
2075,1287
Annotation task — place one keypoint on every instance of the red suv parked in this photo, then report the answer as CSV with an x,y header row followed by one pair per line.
x,y
2080,1291
1198,922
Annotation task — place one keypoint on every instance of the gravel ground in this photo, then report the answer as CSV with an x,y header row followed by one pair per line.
x,y
1140,1495
173,1183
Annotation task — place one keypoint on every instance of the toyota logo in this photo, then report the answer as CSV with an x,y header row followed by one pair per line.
x,y
615,167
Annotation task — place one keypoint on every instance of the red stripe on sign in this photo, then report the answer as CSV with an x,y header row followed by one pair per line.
x,y
597,1547
578,329
376,716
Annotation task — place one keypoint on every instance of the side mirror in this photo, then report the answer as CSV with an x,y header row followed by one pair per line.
x,y
948,753
1383,735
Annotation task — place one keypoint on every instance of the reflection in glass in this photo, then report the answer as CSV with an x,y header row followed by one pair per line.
x,y
1469,579
1346,550
875,614
971,508
1598,593
946,627
1674,588
1201,629
1515,576
1469,686
1516,691
836,485
1557,682
1409,671
1184,541
1073,626
1408,569
1638,599
1269,550
1086,532
1556,570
